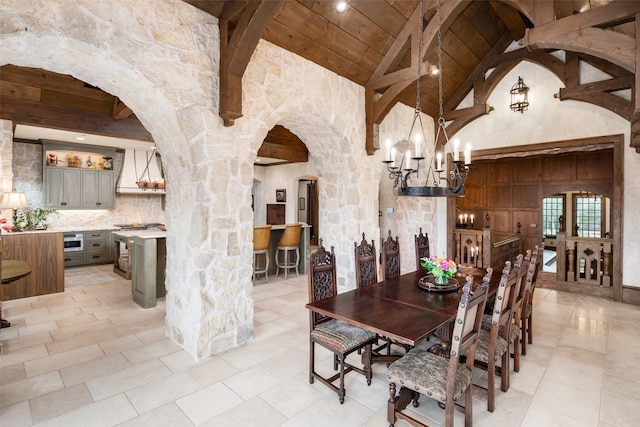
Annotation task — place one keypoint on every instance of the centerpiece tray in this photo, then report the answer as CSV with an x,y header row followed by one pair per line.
x,y
429,284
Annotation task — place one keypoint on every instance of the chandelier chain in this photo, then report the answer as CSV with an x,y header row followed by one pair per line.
x,y
441,109
420,35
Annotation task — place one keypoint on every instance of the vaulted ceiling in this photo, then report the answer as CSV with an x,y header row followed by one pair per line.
x,y
375,43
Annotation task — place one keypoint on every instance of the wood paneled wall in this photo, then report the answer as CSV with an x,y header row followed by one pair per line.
x,y
511,190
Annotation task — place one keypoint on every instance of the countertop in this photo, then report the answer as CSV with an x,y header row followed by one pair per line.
x,y
145,234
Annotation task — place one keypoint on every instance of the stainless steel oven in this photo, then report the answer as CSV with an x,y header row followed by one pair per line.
x,y
73,242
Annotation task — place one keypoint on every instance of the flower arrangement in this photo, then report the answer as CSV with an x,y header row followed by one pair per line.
x,y
441,268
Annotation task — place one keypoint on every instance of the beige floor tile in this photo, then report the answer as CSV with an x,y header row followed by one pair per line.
x,y
213,370
573,402
30,388
8,358
83,372
59,402
17,415
11,344
539,415
151,351
73,331
168,415
120,344
615,385
62,360
179,361
251,382
619,410
106,413
199,408
158,393
289,364
328,412
127,379
253,412
291,397
85,339
38,328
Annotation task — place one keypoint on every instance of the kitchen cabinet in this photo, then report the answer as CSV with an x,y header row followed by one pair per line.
x,y
96,249
63,188
76,179
98,189
43,250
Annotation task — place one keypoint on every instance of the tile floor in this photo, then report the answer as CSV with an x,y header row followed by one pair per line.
x,y
91,357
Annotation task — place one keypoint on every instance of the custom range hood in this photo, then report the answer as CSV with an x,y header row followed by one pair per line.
x,y
140,173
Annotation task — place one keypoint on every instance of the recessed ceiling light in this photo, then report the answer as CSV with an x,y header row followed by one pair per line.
x,y
80,138
341,6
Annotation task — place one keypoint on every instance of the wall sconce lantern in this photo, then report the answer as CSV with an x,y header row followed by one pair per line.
x,y
519,96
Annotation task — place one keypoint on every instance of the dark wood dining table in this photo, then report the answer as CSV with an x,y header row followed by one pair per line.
x,y
399,309
11,270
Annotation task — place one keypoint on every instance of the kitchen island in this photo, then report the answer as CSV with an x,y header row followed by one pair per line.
x,y
147,254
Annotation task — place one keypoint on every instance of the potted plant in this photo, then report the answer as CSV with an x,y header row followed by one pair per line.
x,y
30,219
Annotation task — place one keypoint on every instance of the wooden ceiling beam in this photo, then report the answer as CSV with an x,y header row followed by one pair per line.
x,y
608,85
21,111
237,44
581,33
284,152
377,109
120,110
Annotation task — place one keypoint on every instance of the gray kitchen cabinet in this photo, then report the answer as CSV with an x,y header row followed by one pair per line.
x,y
98,189
63,188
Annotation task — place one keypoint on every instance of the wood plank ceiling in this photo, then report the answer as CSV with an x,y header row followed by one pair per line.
x,y
372,43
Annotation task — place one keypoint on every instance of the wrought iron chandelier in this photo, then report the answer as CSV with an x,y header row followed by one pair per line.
x,y
400,172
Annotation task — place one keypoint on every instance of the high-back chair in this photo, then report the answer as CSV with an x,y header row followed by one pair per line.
x,y
390,257
289,242
421,242
493,344
526,321
521,268
366,265
261,238
335,335
443,379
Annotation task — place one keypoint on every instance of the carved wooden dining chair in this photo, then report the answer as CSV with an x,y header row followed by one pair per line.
x,y
335,335
521,268
493,344
445,380
526,321
422,248
390,257
366,265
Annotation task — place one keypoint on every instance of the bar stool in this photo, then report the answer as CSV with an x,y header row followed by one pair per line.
x,y
289,242
261,237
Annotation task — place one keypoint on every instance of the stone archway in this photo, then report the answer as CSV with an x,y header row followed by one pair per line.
x,y
134,55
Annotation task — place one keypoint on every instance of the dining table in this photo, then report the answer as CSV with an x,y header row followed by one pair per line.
x,y
402,310
11,270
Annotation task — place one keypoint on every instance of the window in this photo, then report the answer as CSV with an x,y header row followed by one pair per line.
x,y
552,209
588,215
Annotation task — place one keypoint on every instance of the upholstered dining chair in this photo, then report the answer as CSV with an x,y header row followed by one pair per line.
x,y
526,321
366,265
261,238
289,242
493,344
445,380
335,335
390,257
422,248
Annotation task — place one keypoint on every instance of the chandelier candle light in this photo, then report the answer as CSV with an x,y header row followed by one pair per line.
x,y
401,173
